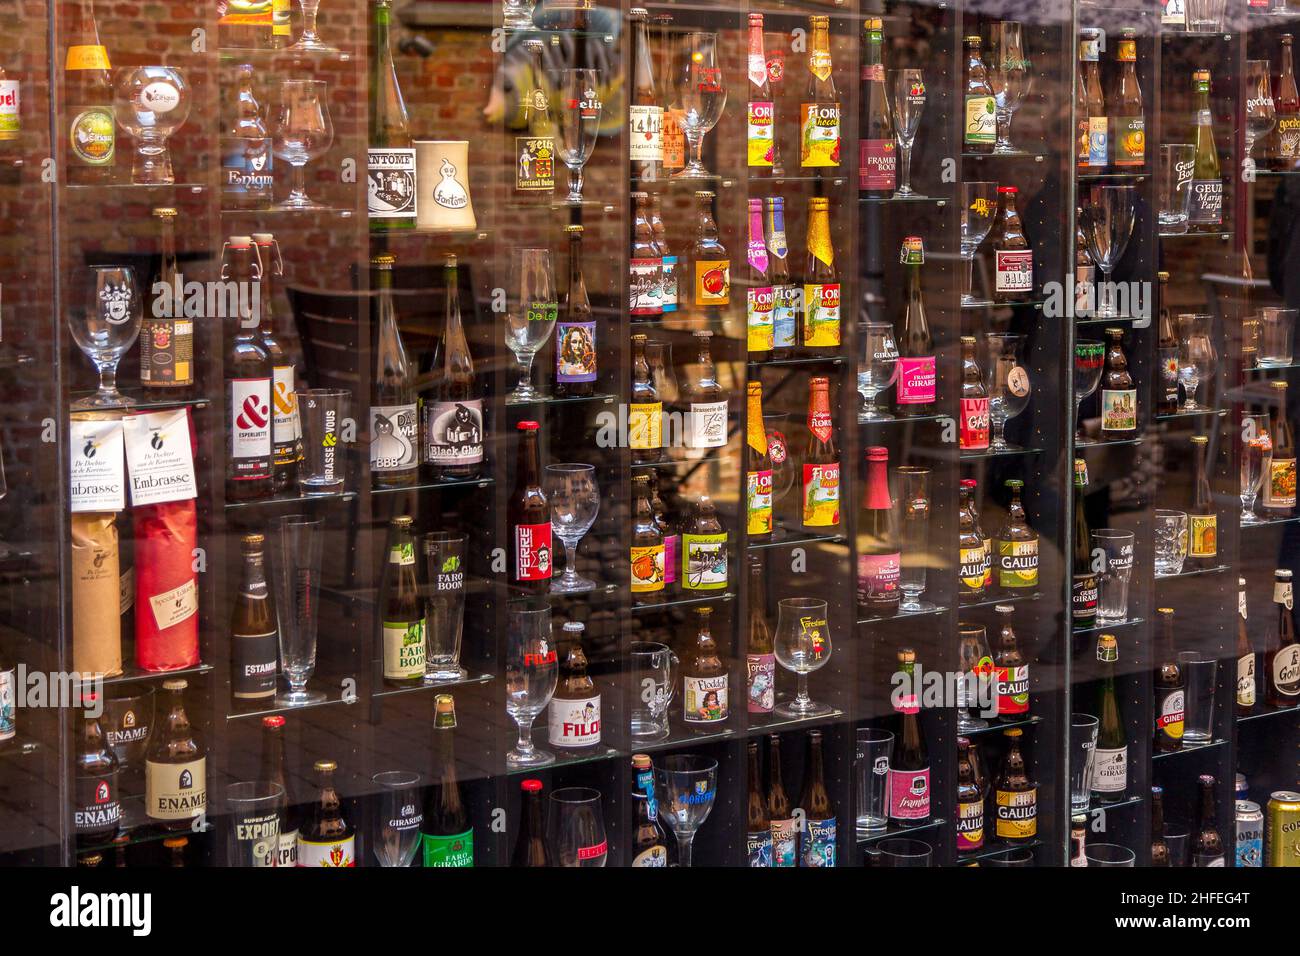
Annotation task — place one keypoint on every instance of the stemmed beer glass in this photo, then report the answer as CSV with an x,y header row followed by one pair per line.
x,y
1107,222
1256,450
1011,78
979,207
1089,357
908,105
1008,385
879,369
1196,357
303,132
309,41
686,786
579,117
530,315
702,95
574,498
106,329
802,644
532,669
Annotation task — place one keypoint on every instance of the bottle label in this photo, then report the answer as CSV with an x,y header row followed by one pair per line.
x,y
253,674
1208,859
1099,140
672,545
1018,564
332,853
761,144
670,283
453,432
175,791
704,561
909,794
705,699
974,423
706,427
877,164
91,56
1203,538
1017,814
250,427
394,437
575,351
758,848
760,682
1286,670
654,856
1246,680
819,139
1169,714
646,133
981,120
1015,271
819,843
246,167
970,825
712,281
878,578
8,704
1168,359
674,139
533,552
1172,13
821,325
1013,690
645,425
535,163
288,855
1207,202
971,569
390,184
785,843
574,722
1083,599
917,378
1110,770
821,495
285,431
1130,140
96,805
760,306
647,568
1281,482
1288,136
92,135
281,24
758,502
1119,410
645,286
9,109
166,352
404,649
175,605
444,851
785,310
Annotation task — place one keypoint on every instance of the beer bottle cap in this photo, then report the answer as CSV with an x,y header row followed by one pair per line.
x,y
1004,609
906,655
756,18
972,40
1015,484
383,260
1157,791
640,196
1164,610
173,842
967,340
1205,780
240,242
1079,820
817,203
1009,189
1284,573
877,453
1114,332
706,194
275,720
175,683
820,21
165,212
531,786
528,426
1199,439
402,521
451,261
963,743
818,382
325,766
639,12
253,542
1162,275
574,229
263,238
1012,732
702,334
574,627
92,859
776,202
969,482
642,761
1278,384
873,23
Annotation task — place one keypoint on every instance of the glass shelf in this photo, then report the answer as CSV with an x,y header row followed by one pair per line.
x,y
437,485
901,615
643,607
1189,749
276,501
436,687
997,727
793,539
1194,572
865,837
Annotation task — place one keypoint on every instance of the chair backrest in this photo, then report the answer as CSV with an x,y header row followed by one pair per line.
x,y
328,325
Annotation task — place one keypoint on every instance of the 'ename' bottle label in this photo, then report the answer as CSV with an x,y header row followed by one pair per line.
x,y
176,791
97,808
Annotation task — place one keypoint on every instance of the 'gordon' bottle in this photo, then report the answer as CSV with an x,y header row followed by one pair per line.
x,y
1207,844
820,486
1281,650
1286,102
1245,685
327,839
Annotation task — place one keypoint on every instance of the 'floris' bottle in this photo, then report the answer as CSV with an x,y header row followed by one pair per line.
x,y
819,114
758,467
820,485
759,297
821,287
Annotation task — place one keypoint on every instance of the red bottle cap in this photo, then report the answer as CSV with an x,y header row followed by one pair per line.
x,y
273,721
531,786
1008,189
528,426
877,453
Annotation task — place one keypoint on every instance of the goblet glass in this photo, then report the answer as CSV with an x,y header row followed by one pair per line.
x,y
908,105
802,644
1196,357
532,668
151,102
879,369
1256,449
701,94
1011,76
686,786
1007,382
1107,222
530,315
575,501
303,132
783,466
309,41
106,329
518,14
979,207
579,116
1089,357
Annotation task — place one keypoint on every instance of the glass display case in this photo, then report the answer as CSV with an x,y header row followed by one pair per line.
x,y
790,433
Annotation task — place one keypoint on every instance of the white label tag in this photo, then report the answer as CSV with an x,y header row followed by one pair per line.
x,y
178,604
98,479
159,456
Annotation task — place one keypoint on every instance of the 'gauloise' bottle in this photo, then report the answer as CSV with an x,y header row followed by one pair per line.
x,y
1017,546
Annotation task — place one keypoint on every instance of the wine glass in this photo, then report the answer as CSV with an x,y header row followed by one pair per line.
x,y
575,827
879,369
1107,222
1196,357
686,786
532,668
914,537
303,132
908,105
1011,78
979,207
579,116
701,94
151,103
1256,449
1008,384
575,501
1089,357
398,817
309,41
106,329
530,315
802,644
1261,114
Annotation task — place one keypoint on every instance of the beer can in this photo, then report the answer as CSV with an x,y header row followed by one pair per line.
x,y
1250,834
1284,828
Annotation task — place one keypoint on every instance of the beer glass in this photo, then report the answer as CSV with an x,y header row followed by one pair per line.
x,y
1083,754
685,786
1276,328
1174,187
253,838
1089,358
1108,854
871,774
1112,586
322,414
1170,542
579,116
309,41
701,94
802,644
979,208
977,684
532,669
575,827
1107,220
397,818
1261,114
151,103
1007,383
1011,78
654,680
1205,16
303,132
1256,449
1196,357
1017,856
879,369
530,315
297,551
659,356
901,852
914,526
444,564
106,329
575,501
908,105
783,466
127,719
1178,840
1199,669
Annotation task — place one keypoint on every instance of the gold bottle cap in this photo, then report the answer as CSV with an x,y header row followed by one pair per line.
x,y
383,260
175,683
165,212
325,766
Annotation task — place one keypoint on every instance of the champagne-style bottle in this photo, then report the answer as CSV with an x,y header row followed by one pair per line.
x,y
1206,212
1170,688
877,148
917,371
394,421
1083,584
1110,762
575,331
760,137
879,556
391,194
908,788
451,412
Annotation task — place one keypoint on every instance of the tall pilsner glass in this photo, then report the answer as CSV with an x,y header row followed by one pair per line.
x,y
297,597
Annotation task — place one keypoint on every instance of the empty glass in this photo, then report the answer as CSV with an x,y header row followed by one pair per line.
x,y
1170,542
1107,221
871,774
579,117
879,369
1112,586
1089,357
1204,16
575,827
297,566
151,103
532,669
1276,329
914,533
254,834
1199,671
1174,187
398,815
654,680
901,852
444,609
1256,449
531,312
106,329
309,41
1261,114
322,412
1007,382
802,644
575,501
783,466
979,207
303,132
518,14
659,356
686,786
1196,357
701,94
1108,854
908,103
1011,77
1083,753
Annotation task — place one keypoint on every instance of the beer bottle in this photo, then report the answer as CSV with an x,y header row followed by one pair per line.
x,y
760,654
281,25
1286,105
666,255
1207,845
530,517
530,846
97,807
1129,132
1011,668
817,842
11,113
758,822
712,266
974,435
649,842
327,838
285,430
1202,520
1119,411
273,771
821,461
1206,212
91,138
575,331
972,553
1015,795
1280,483
390,153
1110,760
176,790
978,673
821,287
1245,693
819,113
879,553
254,634
446,834
535,151
758,467
1281,650
1012,254
176,847
646,264
648,552
394,427
785,295
645,412
970,802
979,131
785,833
674,136
1084,584
1170,682
704,678
574,711
1017,546
706,423
760,137
246,160
909,764
1090,105
452,411
917,372
645,112
671,535
402,638
1079,839
249,471
759,300
1159,848
704,549
1166,352
877,149
167,340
